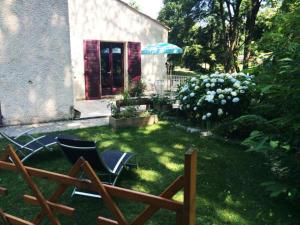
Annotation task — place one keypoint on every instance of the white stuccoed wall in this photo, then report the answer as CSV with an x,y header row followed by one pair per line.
x,y
110,20
35,65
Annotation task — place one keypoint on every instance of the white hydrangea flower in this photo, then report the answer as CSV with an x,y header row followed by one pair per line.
x,y
235,100
208,114
193,79
228,97
242,91
213,85
221,80
237,84
184,98
207,85
219,91
212,92
221,96
214,80
233,93
188,106
220,112
196,88
233,80
185,88
204,117
223,102
195,108
209,98
193,85
192,94
205,80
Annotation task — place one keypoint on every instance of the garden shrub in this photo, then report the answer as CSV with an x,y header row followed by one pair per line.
x,y
137,89
279,82
283,160
241,127
216,96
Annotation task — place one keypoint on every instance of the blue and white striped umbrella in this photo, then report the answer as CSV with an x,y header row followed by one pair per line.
x,y
161,48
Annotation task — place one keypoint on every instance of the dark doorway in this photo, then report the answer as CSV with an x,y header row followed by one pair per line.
x,y
112,68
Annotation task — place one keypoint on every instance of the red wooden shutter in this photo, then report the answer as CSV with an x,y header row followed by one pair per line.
x,y
134,61
91,50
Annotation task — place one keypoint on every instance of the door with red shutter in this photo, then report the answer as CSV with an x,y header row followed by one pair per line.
x,y
134,61
112,64
92,69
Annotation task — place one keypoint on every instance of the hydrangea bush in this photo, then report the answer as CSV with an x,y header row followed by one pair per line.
x,y
215,96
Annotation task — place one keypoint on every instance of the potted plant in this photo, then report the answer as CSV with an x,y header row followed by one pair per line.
x,y
129,116
162,103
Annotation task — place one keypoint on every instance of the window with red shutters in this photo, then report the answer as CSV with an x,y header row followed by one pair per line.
x,y
134,61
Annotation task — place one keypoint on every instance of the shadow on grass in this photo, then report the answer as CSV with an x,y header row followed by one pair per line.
x,y
228,190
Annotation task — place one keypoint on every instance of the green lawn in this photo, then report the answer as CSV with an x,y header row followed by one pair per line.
x,y
228,190
184,72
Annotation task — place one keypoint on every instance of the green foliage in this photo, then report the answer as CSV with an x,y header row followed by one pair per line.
x,y
283,162
161,99
134,4
241,127
137,89
223,29
191,56
126,112
279,82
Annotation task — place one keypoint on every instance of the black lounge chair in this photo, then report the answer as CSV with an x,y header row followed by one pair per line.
x,y
31,147
108,163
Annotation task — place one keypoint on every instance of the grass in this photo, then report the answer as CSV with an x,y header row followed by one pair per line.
x,y
228,190
184,72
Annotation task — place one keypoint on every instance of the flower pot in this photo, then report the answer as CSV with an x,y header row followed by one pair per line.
x,y
132,122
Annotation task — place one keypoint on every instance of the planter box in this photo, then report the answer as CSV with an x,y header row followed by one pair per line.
x,y
132,122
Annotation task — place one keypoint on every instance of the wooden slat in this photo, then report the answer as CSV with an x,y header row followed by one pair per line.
x,y
112,190
114,209
32,186
105,221
168,193
66,210
190,176
3,191
13,220
61,189
179,218
145,198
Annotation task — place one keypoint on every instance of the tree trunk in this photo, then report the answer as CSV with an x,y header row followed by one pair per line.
x,y
250,25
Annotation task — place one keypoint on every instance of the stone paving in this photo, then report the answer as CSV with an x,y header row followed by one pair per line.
x,y
93,108
55,126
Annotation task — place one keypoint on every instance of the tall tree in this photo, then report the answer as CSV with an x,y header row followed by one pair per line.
x,y
231,23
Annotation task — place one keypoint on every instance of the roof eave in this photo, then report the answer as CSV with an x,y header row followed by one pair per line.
x,y
145,15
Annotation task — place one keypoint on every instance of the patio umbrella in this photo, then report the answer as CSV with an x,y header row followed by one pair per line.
x,y
161,48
